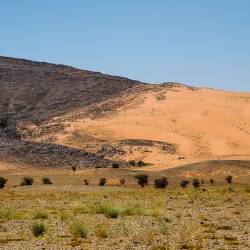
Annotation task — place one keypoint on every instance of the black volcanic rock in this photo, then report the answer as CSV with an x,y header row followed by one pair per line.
x,y
35,92
38,91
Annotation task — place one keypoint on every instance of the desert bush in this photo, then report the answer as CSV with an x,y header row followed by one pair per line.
x,y
115,165
27,181
46,181
141,164
102,231
2,182
102,182
112,212
142,179
184,183
161,182
196,183
73,168
229,179
39,214
10,214
132,163
211,181
78,230
86,182
122,181
38,229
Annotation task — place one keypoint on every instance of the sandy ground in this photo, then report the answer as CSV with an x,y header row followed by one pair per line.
x,y
201,123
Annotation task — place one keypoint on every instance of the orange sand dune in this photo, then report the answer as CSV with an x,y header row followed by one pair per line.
x,y
201,123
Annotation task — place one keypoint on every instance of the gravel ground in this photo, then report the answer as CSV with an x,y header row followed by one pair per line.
x,y
174,218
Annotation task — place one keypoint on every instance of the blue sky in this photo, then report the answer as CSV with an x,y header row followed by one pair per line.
x,y
198,42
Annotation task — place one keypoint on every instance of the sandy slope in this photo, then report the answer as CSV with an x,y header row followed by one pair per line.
x,y
201,123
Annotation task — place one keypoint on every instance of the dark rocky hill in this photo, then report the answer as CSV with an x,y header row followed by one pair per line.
x,y
35,92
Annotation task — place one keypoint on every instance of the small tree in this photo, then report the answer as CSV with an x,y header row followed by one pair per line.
x,y
229,179
46,181
122,181
73,168
115,165
86,182
161,182
2,182
142,179
102,182
141,164
196,183
132,163
184,183
27,181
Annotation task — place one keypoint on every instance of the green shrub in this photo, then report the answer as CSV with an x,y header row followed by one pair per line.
x,y
112,212
196,183
102,231
39,214
10,214
78,230
161,182
27,181
46,181
2,182
184,183
38,229
115,165
86,182
142,179
229,179
102,182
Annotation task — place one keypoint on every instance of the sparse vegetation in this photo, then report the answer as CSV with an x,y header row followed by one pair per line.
x,y
122,181
102,182
46,181
141,164
112,212
196,183
27,181
39,214
132,163
161,182
102,231
38,229
86,182
184,183
115,165
79,230
142,179
229,179
134,217
2,182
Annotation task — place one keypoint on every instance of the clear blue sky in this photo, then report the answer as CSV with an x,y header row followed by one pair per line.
x,y
198,42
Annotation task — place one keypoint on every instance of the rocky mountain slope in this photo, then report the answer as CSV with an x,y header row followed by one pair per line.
x,y
35,92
